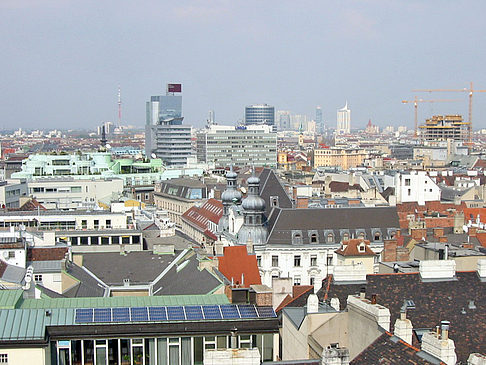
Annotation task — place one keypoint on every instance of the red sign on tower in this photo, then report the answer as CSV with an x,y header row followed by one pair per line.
x,y
174,88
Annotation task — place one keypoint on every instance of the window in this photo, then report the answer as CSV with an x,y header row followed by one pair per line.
x,y
362,248
38,278
311,281
313,238
96,223
274,261
407,182
259,260
346,237
329,260
361,236
84,223
409,192
11,254
297,260
330,238
377,236
296,280
313,260
108,223
3,358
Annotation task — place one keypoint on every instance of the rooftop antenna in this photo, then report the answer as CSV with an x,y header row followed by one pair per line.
x,y
119,106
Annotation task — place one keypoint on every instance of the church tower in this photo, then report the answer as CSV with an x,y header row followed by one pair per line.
x,y
253,205
229,197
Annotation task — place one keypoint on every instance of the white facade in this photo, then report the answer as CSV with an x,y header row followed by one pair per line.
x,y
344,120
305,265
71,194
416,186
11,191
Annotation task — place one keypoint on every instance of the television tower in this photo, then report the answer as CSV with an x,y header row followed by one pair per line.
x,y
119,106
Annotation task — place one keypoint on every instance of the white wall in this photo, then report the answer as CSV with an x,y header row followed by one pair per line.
x,y
416,187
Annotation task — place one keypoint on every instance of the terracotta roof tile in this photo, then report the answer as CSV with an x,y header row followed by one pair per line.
x,y
351,248
46,253
235,262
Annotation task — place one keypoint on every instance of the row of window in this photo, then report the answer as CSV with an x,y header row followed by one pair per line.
x,y
154,351
104,240
314,238
297,261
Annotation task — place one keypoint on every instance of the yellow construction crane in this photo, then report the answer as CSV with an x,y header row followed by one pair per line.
x,y
415,102
470,92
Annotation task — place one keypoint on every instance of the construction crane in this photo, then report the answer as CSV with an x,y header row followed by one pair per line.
x,y
415,102
470,91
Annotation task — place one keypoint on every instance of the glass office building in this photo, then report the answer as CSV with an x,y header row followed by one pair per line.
x,y
260,114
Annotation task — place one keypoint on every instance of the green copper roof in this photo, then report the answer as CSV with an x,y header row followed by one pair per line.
x,y
10,298
169,300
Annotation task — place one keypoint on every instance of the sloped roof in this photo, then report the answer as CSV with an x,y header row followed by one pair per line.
x,y
434,302
199,217
235,262
300,293
389,349
283,222
351,248
270,186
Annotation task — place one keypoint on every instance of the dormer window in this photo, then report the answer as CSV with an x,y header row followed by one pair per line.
x,y
377,236
362,248
313,238
361,236
330,238
346,236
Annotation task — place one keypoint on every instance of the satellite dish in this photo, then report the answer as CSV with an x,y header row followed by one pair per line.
x,y
153,155
5,254
108,146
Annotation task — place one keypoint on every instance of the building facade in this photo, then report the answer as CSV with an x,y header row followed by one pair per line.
x,y
444,127
344,157
165,135
239,146
259,114
344,120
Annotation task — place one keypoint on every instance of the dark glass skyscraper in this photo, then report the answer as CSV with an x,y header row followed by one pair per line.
x,y
260,114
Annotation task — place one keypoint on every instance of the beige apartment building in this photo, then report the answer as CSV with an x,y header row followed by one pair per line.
x,y
344,157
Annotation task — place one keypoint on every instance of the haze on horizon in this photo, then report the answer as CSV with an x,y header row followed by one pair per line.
x,y
62,60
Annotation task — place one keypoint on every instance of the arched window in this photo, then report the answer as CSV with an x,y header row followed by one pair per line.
x,y
330,238
313,238
361,236
393,235
346,236
377,236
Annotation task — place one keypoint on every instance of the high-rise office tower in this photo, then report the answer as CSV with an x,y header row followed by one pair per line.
x,y
165,135
259,114
283,120
344,120
319,120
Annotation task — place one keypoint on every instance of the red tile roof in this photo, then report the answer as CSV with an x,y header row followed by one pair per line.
x,y
47,253
350,248
474,212
199,217
297,292
235,262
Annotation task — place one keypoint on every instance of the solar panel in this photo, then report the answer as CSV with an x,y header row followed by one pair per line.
x,y
176,314
194,312
230,311
83,315
102,315
139,314
157,314
247,311
266,312
121,314
211,312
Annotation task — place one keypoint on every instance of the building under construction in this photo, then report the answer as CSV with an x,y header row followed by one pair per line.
x,y
444,127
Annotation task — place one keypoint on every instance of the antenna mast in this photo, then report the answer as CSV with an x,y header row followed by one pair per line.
x,y
119,106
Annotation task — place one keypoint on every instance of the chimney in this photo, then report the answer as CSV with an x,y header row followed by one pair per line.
x,y
482,269
312,304
403,327
335,304
440,345
437,269
373,298
334,355
472,231
476,359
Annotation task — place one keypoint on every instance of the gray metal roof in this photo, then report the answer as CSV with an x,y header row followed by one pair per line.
x,y
13,274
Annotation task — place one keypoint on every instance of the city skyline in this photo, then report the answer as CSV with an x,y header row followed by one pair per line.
x,y
63,61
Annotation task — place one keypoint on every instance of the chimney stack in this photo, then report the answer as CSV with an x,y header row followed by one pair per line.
x,y
439,344
373,298
403,327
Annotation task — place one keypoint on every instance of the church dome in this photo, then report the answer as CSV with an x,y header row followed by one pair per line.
x,y
253,202
253,180
231,195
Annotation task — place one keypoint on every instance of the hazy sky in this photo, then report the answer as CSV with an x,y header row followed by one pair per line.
x,y
62,60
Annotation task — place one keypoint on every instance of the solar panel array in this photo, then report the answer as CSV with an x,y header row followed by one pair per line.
x,y
176,313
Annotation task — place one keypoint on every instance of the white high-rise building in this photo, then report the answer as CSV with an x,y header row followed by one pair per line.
x,y
344,120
